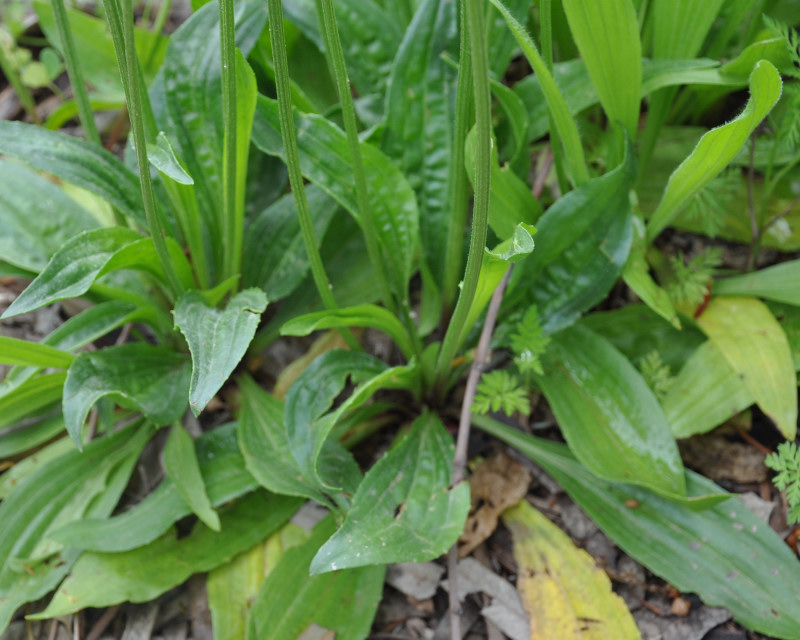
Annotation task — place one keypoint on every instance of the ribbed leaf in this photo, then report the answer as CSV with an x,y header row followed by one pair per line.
x,y
780,283
31,396
26,353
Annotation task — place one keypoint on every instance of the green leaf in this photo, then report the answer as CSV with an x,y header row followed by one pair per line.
x,y
404,510
290,600
717,148
420,111
83,164
31,396
780,282
224,477
30,464
697,552
705,393
325,161
754,344
70,487
20,439
153,379
264,442
217,339
788,316
584,240
680,26
162,156
24,352
607,35
34,228
608,414
364,315
181,466
73,269
139,575
499,39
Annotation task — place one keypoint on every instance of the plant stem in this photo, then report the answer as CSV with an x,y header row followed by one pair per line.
x,y
480,212
289,137
464,424
546,41
74,71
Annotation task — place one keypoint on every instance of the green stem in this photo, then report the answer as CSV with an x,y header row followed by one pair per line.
x,y
546,41
129,65
289,136
480,213
74,71
459,182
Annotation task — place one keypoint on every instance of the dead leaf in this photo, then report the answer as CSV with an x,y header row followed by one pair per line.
x,y
497,483
566,595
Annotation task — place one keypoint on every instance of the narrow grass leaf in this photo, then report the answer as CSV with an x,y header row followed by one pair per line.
x,y
405,509
181,466
217,339
607,413
754,344
780,283
23,352
30,397
153,379
31,436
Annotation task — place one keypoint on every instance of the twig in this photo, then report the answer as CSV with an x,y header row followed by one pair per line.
x,y
785,212
464,424
544,171
102,623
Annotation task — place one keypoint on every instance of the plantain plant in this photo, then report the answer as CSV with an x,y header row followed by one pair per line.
x,y
302,166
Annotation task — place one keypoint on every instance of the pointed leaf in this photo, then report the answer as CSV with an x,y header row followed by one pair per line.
x,y
139,575
717,148
607,412
780,283
404,510
162,156
291,600
153,379
560,585
23,352
217,339
754,344
181,466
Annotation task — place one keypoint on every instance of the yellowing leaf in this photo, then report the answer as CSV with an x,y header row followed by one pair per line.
x,y
566,595
755,345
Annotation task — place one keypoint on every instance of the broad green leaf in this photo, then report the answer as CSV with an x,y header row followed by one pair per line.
x,y
264,442
696,552
560,585
325,161
153,379
31,396
404,510
24,352
181,466
77,161
680,26
16,440
34,228
225,479
420,111
291,600
139,575
780,283
365,315
162,156
608,414
142,255
70,487
705,393
567,129
309,420
754,344
12,478
73,268
717,148
607,35
217,339
584,240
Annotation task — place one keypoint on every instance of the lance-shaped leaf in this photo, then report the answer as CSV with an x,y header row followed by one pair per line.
x,y
181,466
364,315
152,379
754,344
780,282
584,240
291,600
404,510
26,353
139,575
31,396
696,551
717,148
70,487
325,161
608,414
35,228
565,593
217,339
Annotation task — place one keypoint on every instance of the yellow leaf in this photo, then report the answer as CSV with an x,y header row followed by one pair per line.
x,y
566,595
